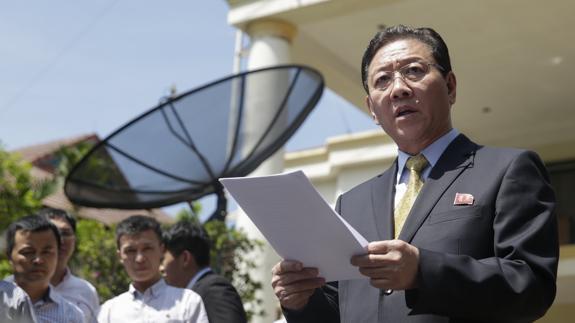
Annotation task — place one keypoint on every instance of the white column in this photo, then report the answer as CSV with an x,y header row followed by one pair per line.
x,y
270,46
270,43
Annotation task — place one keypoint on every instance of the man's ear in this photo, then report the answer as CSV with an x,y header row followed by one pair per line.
x,y
369,105
119,256
451,82
188,258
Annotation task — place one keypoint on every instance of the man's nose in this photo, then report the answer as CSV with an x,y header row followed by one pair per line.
x,y
140,257
38,259
399,88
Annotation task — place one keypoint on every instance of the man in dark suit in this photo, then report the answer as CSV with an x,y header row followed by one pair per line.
x,y
186,264
459,232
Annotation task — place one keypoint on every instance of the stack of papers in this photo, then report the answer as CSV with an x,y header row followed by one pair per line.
x,y
299,223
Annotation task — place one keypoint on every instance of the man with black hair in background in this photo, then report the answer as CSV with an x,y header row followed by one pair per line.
x,y
149,298
187,264
75,289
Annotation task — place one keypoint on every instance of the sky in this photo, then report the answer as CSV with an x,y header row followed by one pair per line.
x,y
75,67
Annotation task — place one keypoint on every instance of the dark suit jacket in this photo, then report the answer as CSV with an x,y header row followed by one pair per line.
x,y
221,300
492,261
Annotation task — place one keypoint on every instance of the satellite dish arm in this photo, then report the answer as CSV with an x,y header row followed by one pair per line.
x,y
222,204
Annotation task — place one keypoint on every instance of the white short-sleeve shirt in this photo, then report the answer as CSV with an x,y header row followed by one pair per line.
x,y
160,303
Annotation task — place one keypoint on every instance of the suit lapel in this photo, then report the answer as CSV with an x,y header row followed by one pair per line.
x,y
457,157
382,193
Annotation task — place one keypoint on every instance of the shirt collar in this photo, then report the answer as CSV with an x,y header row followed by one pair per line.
x,y
50,296
151,291
198,275
67,275
432,152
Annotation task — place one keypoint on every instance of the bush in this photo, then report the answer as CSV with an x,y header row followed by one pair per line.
x,y
96,261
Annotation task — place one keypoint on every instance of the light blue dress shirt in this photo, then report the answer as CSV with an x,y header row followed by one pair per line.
x,y
432,153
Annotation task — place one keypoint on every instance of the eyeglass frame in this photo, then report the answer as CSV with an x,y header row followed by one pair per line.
x,y
403,77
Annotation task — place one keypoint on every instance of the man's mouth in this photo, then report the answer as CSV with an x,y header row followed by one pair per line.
x,y
404,111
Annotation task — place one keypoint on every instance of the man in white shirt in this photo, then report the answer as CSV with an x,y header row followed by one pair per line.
x,y
149,298
32,249
74,289
15,305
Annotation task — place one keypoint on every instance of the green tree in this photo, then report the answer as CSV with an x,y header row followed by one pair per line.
x,y
228,257
96,261
20,193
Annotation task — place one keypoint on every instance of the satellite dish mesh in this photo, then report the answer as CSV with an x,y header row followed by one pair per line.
x,y
176,151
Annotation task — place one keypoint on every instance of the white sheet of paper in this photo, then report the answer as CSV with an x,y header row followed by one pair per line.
x,y
299,223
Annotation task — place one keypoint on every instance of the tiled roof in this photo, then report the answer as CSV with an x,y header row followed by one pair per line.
x,y
36,153
107,216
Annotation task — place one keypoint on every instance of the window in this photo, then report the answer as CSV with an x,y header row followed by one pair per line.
x,y
563,181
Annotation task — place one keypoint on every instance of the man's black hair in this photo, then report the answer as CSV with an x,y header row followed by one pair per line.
x,y
186,235
427,36
52,213
137,224
30,223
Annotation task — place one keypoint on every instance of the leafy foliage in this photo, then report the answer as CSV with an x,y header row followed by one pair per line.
x,y
5,268
20,193
69,156
96,261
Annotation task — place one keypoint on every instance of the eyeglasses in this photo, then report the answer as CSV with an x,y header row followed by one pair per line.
x,y
412,72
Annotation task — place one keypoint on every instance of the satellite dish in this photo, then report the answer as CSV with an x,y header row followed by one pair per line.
x,y
176,151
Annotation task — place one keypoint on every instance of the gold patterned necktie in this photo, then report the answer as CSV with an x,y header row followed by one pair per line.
x,y
415,164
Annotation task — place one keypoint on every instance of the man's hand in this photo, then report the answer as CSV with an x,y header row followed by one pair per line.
x,y
390,264
293,284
